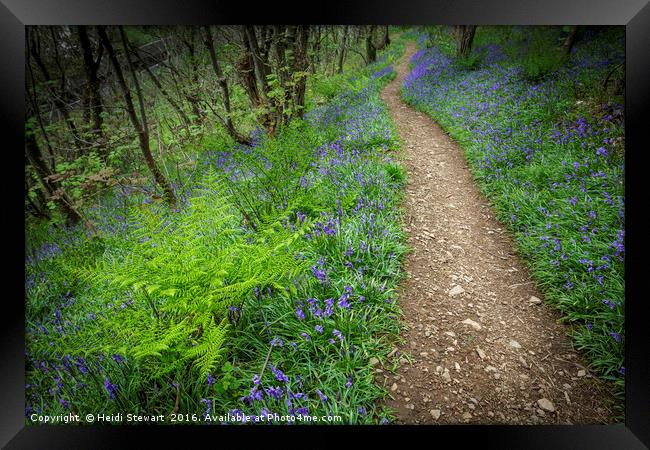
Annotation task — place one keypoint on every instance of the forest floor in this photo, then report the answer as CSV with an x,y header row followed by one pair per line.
x,y
484,348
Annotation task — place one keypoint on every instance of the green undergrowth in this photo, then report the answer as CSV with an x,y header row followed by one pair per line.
x,y
268,291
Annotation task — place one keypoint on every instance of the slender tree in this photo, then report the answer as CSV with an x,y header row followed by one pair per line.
x,y
46,177
223,83
570,40
371,49
91,69
57,95
343,48
139,125
301,64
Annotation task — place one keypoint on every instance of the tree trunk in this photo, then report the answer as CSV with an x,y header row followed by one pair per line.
x,y
371,50
223,83
465,39
193,95
385,40
163,91
37,112
246,71
140,127
91,67
316,65
262,70
570,40
343,48
301,64
57,97
54,191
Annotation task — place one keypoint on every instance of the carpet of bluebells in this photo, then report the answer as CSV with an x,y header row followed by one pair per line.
x,y
301,350
549,153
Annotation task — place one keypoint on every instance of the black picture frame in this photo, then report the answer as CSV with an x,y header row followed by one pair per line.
x,y
633,14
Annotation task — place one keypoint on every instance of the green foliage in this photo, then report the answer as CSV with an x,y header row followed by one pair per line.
x,y
469,62
542,62
181,275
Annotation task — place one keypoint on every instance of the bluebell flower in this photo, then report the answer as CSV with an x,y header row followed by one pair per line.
x,y
279,375
110,388
300,314
275,392
323,397
338,334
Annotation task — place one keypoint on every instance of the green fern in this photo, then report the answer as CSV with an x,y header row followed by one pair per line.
x,y
181,274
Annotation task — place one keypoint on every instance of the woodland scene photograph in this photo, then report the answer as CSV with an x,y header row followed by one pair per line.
x,y
324,225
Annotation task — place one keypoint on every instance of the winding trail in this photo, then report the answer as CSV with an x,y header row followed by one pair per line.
x,y
512,362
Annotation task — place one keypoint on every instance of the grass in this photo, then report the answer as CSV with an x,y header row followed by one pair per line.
x,y
545,142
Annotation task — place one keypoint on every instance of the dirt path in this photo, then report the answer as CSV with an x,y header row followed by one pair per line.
x,y
511,362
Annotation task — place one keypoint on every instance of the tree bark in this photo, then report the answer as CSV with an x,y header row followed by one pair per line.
x,y
163,91
385,40
301,64
465,39
246,71
140,127
371,50
91,67
223,83
57,97
262,70
570,40
193,96
343,48
54,191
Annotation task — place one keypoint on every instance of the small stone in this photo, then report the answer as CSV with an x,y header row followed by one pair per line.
x,y
435,413
456,291
466,416
374,361
514,344
582,373
546,404
472,324
379,371
410,406
425,354
393,388
457,366
480,352
445,376
450,333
